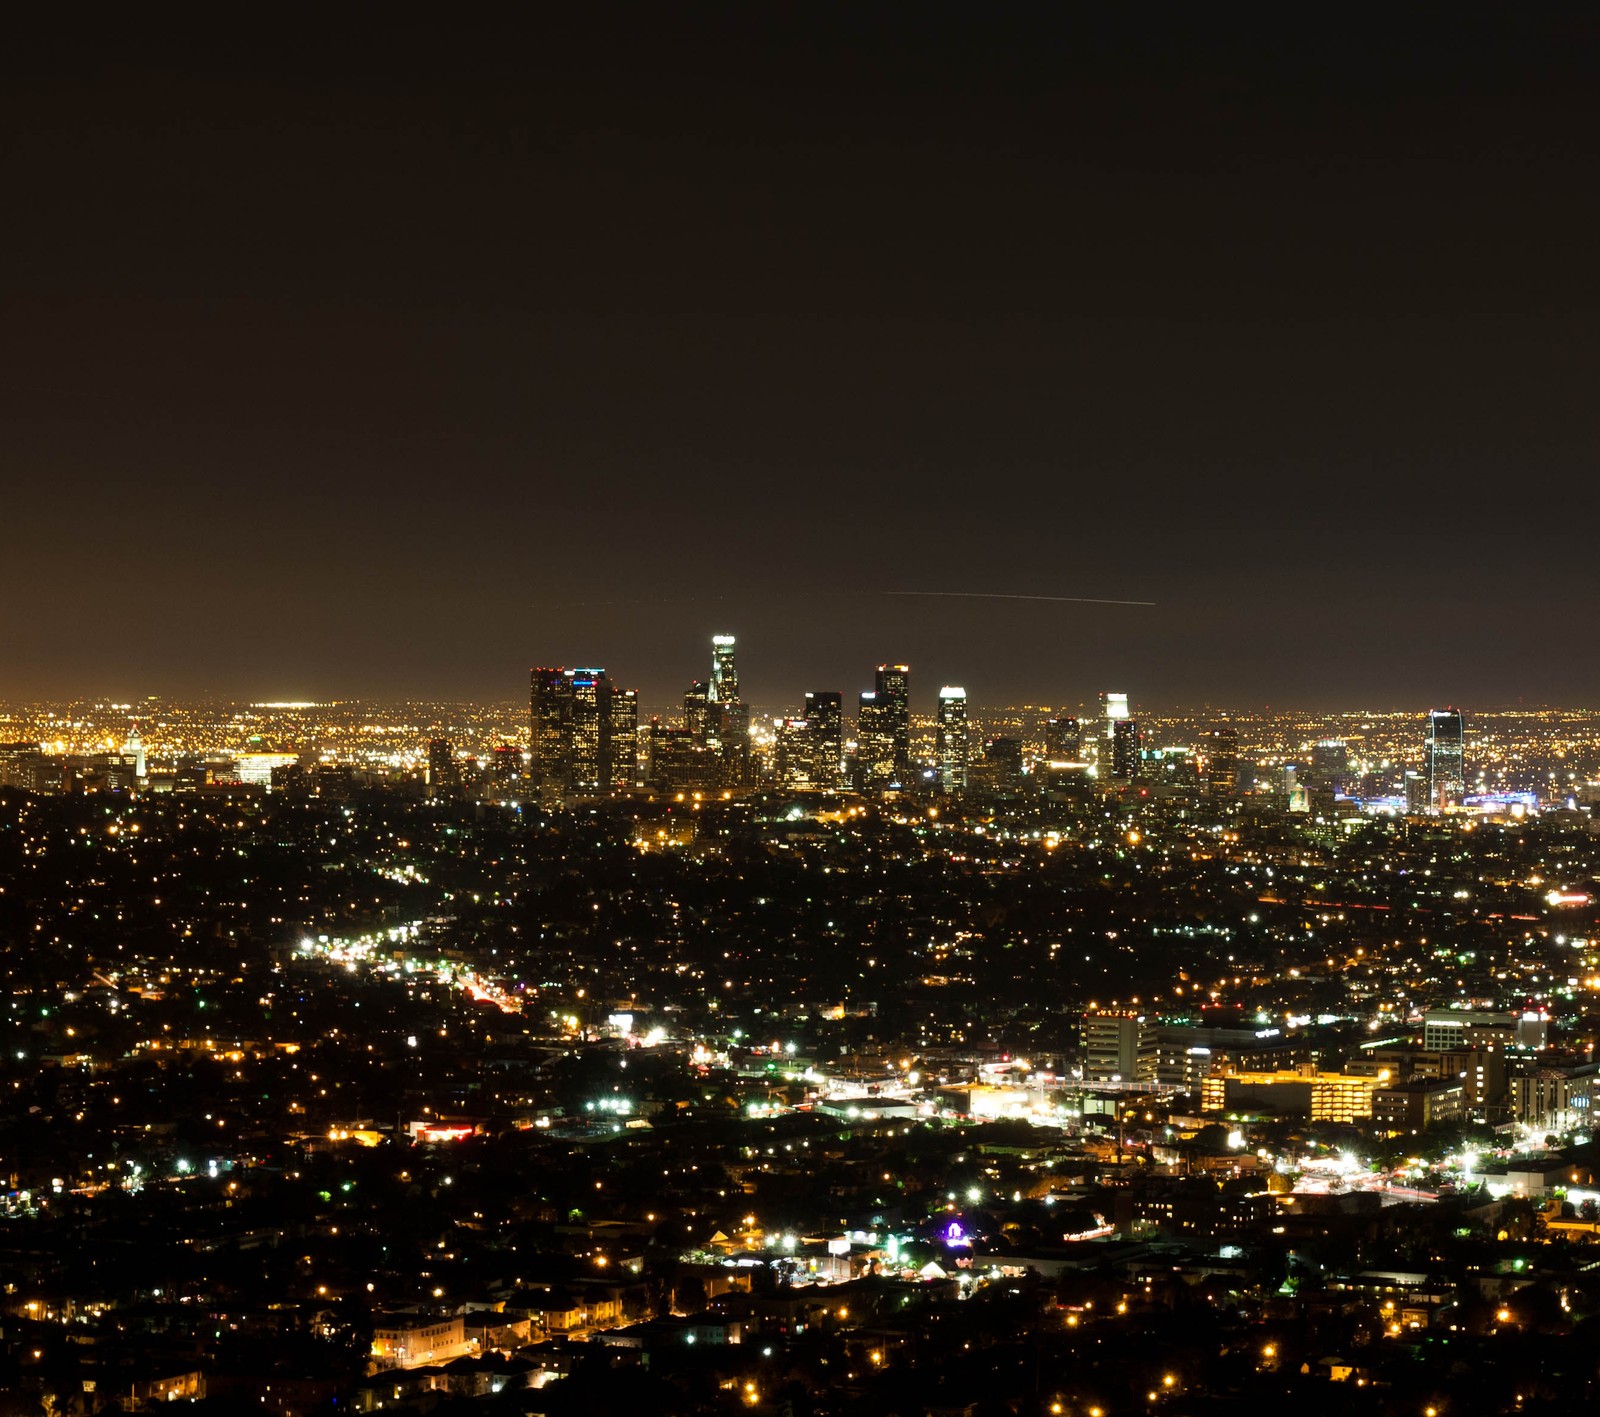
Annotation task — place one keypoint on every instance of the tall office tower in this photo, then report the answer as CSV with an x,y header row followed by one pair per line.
x,y
444,773
591,729
894,698
696,710
674,762
794,752
729,738
550,738
1329,770
1062,739
874,744
1124,749
624,756
1221,747
952,745
1447,772
1113,710
724,676
825,714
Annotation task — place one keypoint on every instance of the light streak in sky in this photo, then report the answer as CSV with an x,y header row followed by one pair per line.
x,y
1002,595
813,595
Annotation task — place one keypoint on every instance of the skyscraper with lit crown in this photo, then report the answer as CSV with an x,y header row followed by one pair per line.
x,y
1447,772
953,743
724,686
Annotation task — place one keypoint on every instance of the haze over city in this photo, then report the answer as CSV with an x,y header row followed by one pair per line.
x,y
346,369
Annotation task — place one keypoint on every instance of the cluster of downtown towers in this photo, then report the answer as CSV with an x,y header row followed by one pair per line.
x,y
585,735
586,738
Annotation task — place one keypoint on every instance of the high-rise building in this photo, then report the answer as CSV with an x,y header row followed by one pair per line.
x,y
1113,710
591,730
1414,787
1118,1048
1447,774
1063,739
623,757
444,773
874,744
584,735
729,738
953,741
674,761
894,696
883,731
724,688
1222,762
794,756
697,710
550,738
1329,770
1124,749
825,714
134,748
503,771
998,771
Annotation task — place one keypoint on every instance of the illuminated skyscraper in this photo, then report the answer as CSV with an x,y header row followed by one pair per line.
x,y
1113,710
729,739
550,738
1447,774
723,722
1222,762
894,697
953,741
825,714
591,730
1124,749
794,752
444,773
724,687
1330,765
623,754
134,748
696,711
874,744
883,731
584,735
1415,788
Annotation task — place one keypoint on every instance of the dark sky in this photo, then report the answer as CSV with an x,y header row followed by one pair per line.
x,y
354,355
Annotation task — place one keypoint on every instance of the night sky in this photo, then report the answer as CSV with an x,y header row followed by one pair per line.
x,y
349,355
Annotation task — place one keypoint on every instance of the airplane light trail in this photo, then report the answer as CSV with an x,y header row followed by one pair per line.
x,y
1001,595
813,595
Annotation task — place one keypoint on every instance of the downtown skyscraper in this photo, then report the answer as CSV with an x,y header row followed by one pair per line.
x,y
883,730
1446,764
583,734
953,741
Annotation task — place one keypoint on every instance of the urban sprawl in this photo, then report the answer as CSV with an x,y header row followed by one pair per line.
x,y
905,1055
